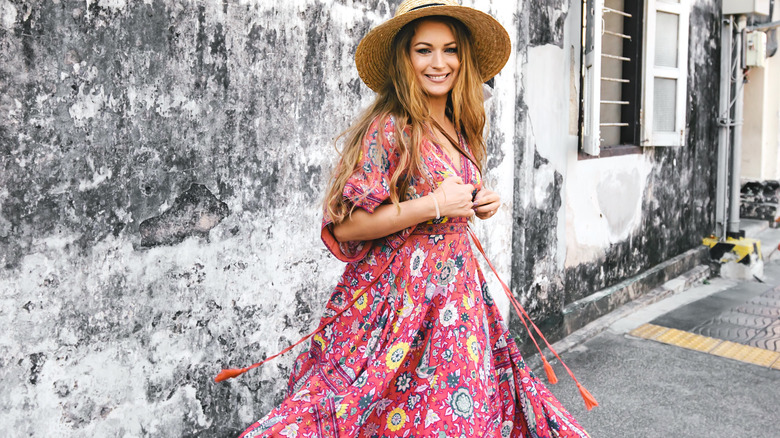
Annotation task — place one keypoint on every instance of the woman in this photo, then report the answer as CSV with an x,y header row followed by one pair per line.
x,y
412,344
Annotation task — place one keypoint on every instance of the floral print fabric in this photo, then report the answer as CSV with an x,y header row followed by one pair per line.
x,y
423,352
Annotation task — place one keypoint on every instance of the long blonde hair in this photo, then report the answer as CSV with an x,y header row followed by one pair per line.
x,y
403,97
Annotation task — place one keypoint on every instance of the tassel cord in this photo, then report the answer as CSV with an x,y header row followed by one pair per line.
x,y
590,401
234,372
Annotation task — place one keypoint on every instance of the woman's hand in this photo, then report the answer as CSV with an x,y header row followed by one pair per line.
x,y
486,203
454,198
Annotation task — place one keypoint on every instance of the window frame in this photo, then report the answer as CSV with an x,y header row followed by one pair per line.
x,y
651,137
645,73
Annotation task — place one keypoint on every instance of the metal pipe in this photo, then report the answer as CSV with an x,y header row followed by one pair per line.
x,y
724,121
765,26
736,150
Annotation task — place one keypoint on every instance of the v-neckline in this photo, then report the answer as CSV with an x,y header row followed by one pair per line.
x,y
458,168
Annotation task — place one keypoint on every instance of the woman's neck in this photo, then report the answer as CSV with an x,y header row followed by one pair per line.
x,y
438,106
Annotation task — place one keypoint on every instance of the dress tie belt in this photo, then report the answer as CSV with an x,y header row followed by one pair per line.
x,y
442,228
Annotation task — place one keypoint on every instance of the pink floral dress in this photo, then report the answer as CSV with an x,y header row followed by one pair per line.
x,y
423,352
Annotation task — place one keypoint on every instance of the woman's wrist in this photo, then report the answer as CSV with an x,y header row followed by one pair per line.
x,y
435,205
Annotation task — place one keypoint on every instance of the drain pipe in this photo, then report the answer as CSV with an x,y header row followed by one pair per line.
x,y
736,150
724,121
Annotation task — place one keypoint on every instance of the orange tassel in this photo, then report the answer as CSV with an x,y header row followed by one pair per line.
x,y
590,401
548,369
229,374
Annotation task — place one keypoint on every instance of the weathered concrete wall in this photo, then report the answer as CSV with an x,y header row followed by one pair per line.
x,y
583,225
161,169
658,204
162,164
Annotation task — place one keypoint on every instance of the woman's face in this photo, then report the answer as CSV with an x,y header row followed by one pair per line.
x,y
434,56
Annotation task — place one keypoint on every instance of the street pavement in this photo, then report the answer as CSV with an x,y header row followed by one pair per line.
x,y
662,386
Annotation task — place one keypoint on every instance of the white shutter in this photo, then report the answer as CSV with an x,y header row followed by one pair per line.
x,y
591,138
665,79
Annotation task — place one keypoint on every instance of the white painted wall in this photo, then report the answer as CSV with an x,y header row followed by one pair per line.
x,y
761,128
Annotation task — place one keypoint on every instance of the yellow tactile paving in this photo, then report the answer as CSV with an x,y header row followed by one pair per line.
x,y
718,347
648,331
746,353
688,340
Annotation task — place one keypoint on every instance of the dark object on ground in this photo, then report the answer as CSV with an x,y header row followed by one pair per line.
x,y
760,200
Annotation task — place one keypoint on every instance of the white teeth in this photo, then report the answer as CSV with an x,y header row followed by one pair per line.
x,y
437,78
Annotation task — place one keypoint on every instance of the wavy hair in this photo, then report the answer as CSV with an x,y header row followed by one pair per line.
x,y
403,97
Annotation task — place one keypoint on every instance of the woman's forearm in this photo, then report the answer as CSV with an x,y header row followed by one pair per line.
x,y
451,199
385,220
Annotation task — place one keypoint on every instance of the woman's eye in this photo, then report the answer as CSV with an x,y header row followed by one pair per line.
x,y
451,50
423,51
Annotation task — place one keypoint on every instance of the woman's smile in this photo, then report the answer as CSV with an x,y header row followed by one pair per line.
x,y
438,78
434,56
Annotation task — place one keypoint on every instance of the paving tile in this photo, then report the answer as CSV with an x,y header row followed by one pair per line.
x,y
648,331
691,315
746,353
772,294
766,300
726,331
768,339
759,310
688,340
743,319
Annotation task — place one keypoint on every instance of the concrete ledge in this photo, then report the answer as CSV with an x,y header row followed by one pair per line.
x,y
581,312
671,287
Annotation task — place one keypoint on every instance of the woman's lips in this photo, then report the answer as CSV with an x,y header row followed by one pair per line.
x,y
438,78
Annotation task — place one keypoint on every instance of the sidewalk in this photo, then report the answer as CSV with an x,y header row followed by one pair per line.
x,y
696,364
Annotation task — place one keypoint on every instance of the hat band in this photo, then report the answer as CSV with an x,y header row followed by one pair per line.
x,y
427,5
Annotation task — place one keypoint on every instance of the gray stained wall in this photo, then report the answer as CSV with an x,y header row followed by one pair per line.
x,y
677,201
161,165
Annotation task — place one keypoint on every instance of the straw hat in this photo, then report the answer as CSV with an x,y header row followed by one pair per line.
x,y
491,41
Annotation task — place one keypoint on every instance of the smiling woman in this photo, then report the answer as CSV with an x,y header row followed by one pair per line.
x,y
434,56
412,343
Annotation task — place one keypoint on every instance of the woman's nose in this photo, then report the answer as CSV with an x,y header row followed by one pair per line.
x,y
437,60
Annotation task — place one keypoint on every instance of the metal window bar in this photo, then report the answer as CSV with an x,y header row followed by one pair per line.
x,y
615,11
617,34
621,58
625,81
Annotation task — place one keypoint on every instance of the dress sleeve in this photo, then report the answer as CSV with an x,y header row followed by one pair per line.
x,y
368,187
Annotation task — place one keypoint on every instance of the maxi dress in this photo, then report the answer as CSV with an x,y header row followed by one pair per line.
x,y
423,352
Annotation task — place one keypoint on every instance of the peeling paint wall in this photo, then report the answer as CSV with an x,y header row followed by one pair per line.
x,y
161,167
584,225
653,206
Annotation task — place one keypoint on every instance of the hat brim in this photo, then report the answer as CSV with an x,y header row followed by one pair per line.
x,y
490,42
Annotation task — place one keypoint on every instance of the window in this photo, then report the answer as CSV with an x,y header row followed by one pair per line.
x,y
634,74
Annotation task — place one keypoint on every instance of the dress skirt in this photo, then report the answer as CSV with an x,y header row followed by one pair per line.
x,y
424,352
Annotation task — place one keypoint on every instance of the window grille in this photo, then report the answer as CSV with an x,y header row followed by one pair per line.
x,y
634,71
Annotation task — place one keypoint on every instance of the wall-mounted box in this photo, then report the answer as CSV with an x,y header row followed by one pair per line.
x,y
739,7
755,49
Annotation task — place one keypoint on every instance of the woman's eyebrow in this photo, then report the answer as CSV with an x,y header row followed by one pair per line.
x,y
423,43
